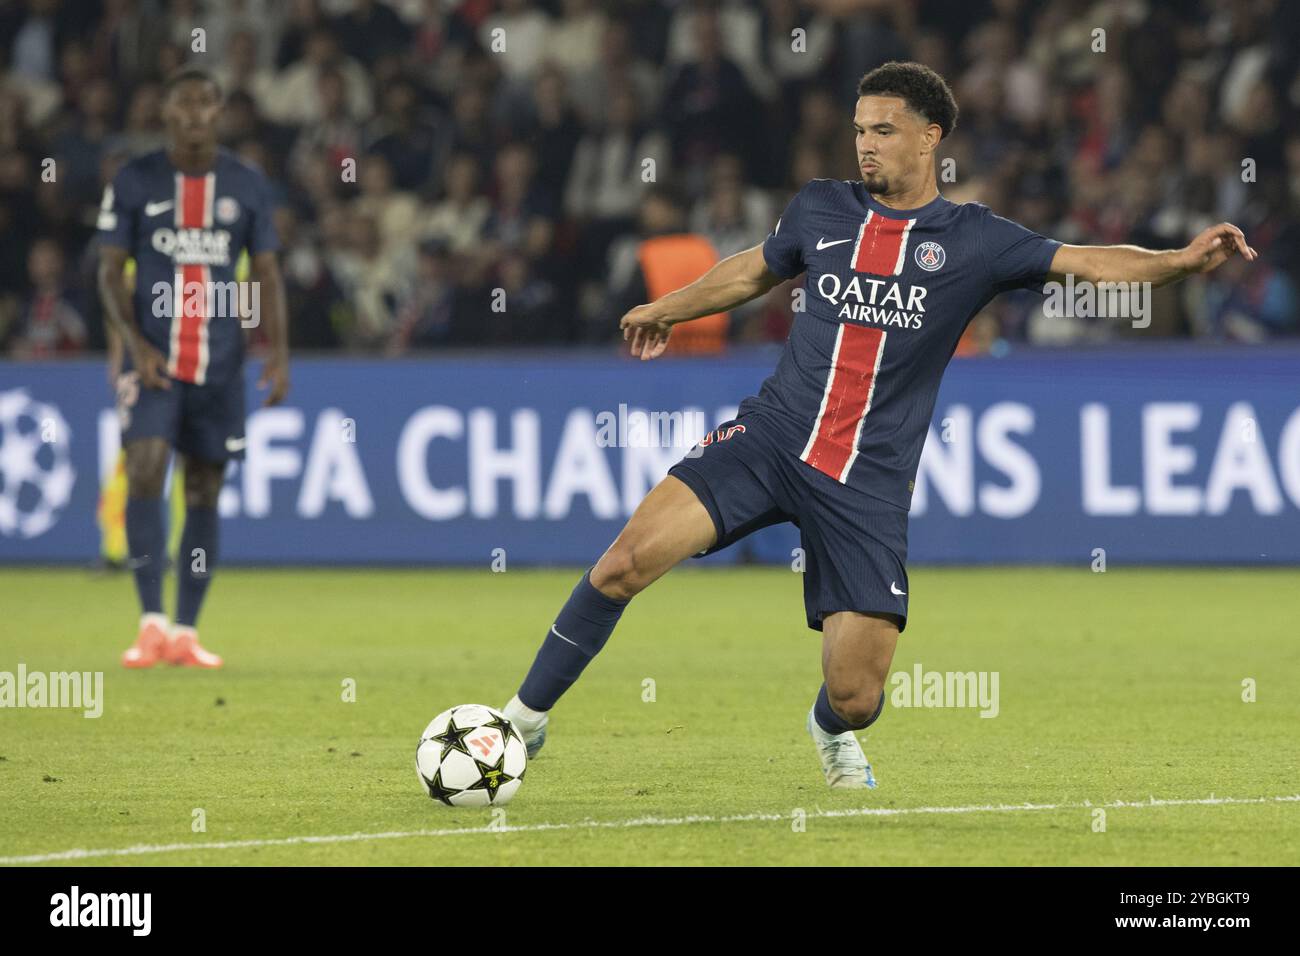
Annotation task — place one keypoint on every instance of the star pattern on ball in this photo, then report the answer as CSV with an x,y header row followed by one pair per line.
x,y
506,727
436,790
492,777
453,738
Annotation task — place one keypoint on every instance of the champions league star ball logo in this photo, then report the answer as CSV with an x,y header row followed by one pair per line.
x,y
36,473
930,256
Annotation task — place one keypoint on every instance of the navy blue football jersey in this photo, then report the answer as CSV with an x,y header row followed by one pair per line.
x,y
184,230
887,295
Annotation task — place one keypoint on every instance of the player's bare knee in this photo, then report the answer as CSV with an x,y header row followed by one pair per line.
x,y
142,482
858,703
146,469
618,574
203,484
203,496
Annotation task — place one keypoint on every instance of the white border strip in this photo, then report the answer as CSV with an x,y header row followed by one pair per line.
x,y
148,849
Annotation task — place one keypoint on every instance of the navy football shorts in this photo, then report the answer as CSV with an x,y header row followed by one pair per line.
x,y
204,422
854,545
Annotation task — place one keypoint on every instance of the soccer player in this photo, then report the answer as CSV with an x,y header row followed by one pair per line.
x,y
893,272
185,213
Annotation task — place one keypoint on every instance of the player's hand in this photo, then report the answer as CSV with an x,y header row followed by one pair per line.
x,y
275,375
648,331
150,363
1213,247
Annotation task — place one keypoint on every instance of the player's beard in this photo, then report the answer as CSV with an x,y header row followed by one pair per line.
x,y
876,184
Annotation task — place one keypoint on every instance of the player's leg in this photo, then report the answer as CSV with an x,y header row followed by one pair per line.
x,y
857,650
146,469
196,559
211,433
668,526
855,593
717,494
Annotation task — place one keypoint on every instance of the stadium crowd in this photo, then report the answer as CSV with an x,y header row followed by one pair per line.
x,y
533,148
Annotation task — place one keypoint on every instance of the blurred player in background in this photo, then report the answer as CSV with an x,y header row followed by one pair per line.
x,y
894,272
185,214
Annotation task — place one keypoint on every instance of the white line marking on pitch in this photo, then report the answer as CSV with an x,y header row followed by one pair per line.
x,y
145,849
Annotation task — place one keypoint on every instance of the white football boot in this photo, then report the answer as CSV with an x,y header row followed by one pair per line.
x,y
531,724
843,761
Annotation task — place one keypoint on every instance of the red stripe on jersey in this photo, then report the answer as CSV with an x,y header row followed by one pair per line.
x,y
189,336
880,245
194,203
833,445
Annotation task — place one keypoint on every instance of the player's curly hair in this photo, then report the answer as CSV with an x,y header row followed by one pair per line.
x,y
924,91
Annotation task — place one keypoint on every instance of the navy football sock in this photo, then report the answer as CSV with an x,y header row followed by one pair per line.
x,y
832,722
578,634
145,542
193,572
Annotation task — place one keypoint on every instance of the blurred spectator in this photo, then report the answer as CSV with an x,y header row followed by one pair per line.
x,y
528,313
1248,302
47,324
334,134
519,34
459,218
296,95
617,66
701,30
315,300
522,216
470,128
575,39
708,106
554,134
732,216
84,134
35,46
395,212
406,140
243,70
665,257
427,318
372,281
609,170
128,39
143,129
371,30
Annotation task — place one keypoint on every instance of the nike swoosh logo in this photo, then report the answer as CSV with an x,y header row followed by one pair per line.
x,y
893,589
823,244
561,636
157,208
236,444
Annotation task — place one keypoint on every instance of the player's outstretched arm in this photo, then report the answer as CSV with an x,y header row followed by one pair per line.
x,y
732,282
1206,252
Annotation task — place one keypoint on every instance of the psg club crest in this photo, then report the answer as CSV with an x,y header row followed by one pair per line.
x,y
930,256
227,210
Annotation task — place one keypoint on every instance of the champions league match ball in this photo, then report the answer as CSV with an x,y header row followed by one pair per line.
x,y
471,756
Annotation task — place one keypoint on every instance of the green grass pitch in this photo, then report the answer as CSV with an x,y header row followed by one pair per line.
x,y
1115,688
